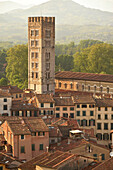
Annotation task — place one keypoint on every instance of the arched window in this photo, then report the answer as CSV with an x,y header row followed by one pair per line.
x,y
91,122
101,89
95,88
77,86
71,85
84,122
88,87
60,84
99,136
83,87
105,136
107,89
65,85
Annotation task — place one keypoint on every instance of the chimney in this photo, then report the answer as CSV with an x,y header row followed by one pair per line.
x,y
47,148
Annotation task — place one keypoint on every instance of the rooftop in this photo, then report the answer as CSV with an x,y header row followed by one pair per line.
x,y
63,101
11,89
26,125
84,76
45,98
106,102
48,160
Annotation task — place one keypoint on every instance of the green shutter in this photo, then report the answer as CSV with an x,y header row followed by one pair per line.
x,y
41,146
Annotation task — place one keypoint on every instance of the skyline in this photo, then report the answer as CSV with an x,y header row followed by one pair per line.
x,y
105,5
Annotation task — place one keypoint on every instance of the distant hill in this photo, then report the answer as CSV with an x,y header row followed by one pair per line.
x,y
6,6
81,21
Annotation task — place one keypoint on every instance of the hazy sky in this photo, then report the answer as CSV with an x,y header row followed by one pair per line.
x,y
99,4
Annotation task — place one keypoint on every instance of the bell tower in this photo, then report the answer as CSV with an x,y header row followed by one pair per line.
x,y
41,54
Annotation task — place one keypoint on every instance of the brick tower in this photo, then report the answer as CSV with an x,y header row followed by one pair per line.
x,y
41,54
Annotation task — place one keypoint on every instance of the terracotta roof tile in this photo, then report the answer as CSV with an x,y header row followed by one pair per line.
x,y
84,76
26,125
63,101
11,89
45,98
4,94
104,102
106,165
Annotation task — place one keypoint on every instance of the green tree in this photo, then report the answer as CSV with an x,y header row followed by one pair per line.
x,y
3,82
17,65
95,59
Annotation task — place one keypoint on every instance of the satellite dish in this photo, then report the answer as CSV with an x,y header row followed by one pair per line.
x,y
111,154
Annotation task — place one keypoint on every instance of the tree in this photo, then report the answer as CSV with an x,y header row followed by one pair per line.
x,y
17,65
95,59
3,82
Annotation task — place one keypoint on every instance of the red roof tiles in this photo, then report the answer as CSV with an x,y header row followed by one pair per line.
x,y
84,76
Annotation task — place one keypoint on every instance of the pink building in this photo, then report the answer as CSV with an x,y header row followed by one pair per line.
x,y
26,137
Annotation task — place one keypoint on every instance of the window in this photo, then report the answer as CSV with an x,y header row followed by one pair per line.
x,y
83,122
91,106
4,107
101,89
112,116
37,43
32,55
22,149
112,109
99,136
48,33
71,115
34,86
95,88
58,108
78,106
105,126
65,108
47,87
71,108
16,95
65,115
1,167
32,74
99,116
111,126
22,136
106,109
33,134
65,85
91,122
36,32
106,116
82,87
103,156
99,108
60,84
71,85
88,87
107,89
5,100
99,126
33,147
84,106
78,113
32,65
42,104
77,86
91,113
95,156
51,112
32,32
41,146
20,95
57,115
84,113
35,113
36,55
43,133
36,75
32,43
39,134
51,104
36,65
